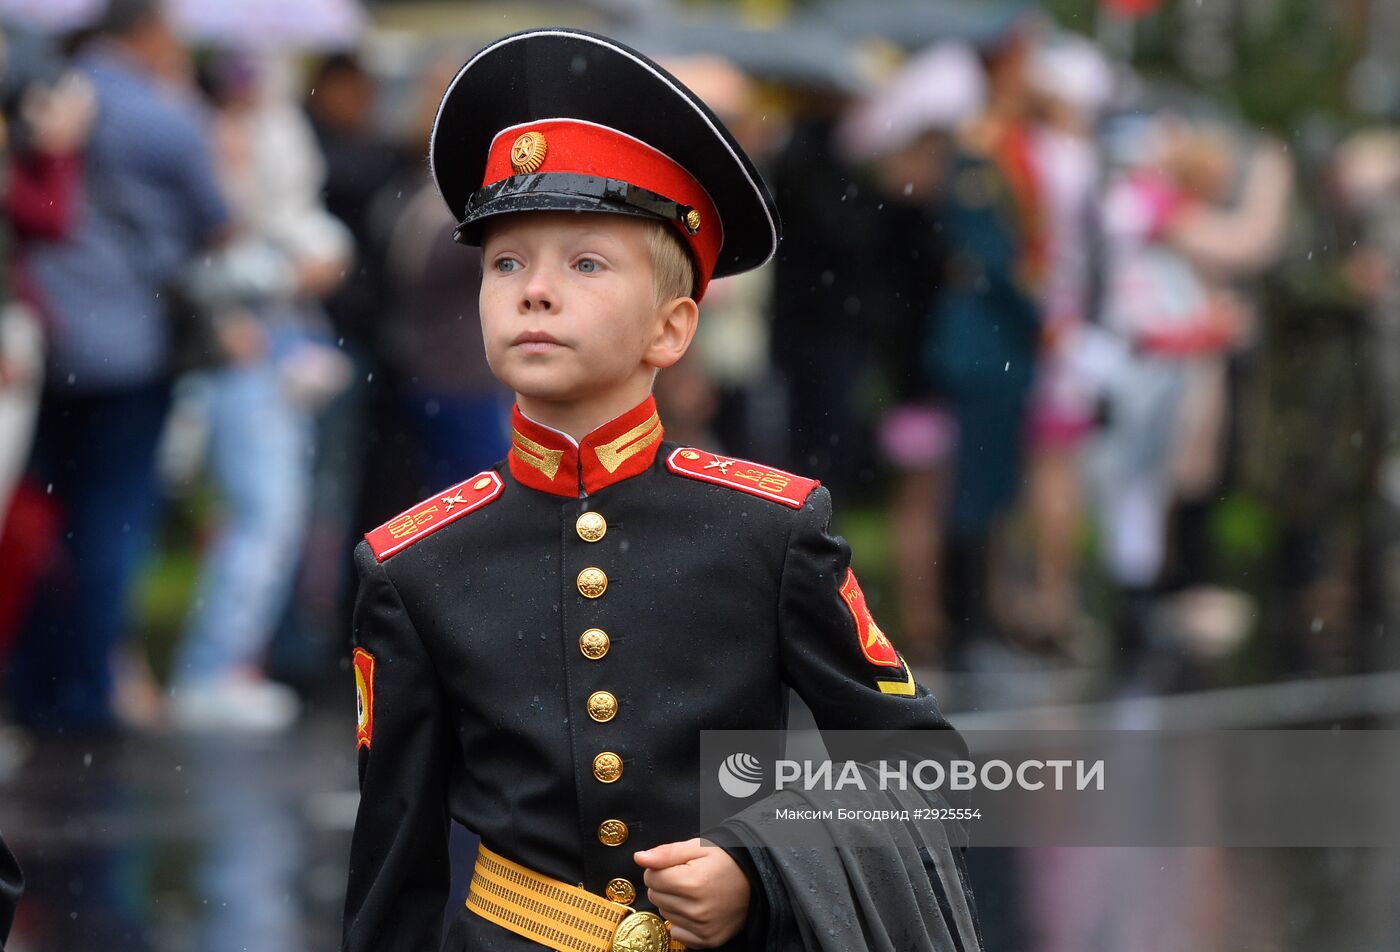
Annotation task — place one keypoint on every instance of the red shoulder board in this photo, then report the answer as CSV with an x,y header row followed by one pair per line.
x,y
752,478
433,513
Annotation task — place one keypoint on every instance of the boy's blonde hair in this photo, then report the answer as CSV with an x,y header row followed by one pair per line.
x,y
673,273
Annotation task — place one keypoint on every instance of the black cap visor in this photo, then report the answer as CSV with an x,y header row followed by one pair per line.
x,y
564,192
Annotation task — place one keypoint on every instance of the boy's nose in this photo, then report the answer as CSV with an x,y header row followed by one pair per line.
x,y
537,295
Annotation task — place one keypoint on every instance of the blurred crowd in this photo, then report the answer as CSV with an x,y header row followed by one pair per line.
x,y
1122,397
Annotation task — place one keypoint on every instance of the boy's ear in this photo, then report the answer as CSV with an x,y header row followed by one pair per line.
x,y
675,328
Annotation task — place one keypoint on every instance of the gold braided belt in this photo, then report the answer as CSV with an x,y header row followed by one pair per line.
x,y
560,916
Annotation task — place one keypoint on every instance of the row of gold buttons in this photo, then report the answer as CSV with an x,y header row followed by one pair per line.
x,y
594,643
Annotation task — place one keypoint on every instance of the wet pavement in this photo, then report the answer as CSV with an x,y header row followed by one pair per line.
x,y
183,843
217,844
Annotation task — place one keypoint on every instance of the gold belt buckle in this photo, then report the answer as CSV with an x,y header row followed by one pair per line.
x,y
642,932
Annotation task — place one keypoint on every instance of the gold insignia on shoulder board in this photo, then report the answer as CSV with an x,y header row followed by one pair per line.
x,y
528,152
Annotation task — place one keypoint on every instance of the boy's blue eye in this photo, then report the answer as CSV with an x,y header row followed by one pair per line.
x,y
507,265
587,265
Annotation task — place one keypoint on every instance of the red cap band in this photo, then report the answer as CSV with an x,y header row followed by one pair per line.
x,y
585,148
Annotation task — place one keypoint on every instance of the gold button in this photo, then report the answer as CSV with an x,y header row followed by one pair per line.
x,y
607,767
689,454
591,527
592,583
612,832
482,483
621,891
602,706
594,643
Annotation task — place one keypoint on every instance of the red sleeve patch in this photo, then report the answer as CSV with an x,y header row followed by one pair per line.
x,y
873,643
752,478
432,514
364,697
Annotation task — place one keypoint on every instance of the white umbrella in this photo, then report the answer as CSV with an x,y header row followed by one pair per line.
x,y
246,24
938,89
261,24
51,16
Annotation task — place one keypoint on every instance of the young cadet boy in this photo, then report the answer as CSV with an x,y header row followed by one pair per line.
x,y
539,646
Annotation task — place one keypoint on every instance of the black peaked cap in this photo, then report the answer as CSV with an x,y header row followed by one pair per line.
x,y
572,74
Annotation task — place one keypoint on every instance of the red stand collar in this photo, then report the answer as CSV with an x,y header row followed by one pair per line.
x,y
550,461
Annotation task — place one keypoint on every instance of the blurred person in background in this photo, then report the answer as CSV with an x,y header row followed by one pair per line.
x,y
1072,83
340,104
1365,172
1231,231
1230,228
985,328
822,275
455,408
1148,288
280,368
721,394
48,112
341,101
905,134
150,202
1175,242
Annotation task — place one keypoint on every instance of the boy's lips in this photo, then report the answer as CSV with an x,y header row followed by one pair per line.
x,y
536,342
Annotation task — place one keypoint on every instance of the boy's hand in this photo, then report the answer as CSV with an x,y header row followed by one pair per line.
x,y
698,888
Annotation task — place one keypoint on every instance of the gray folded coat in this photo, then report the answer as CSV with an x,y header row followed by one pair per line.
x,y
898,887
